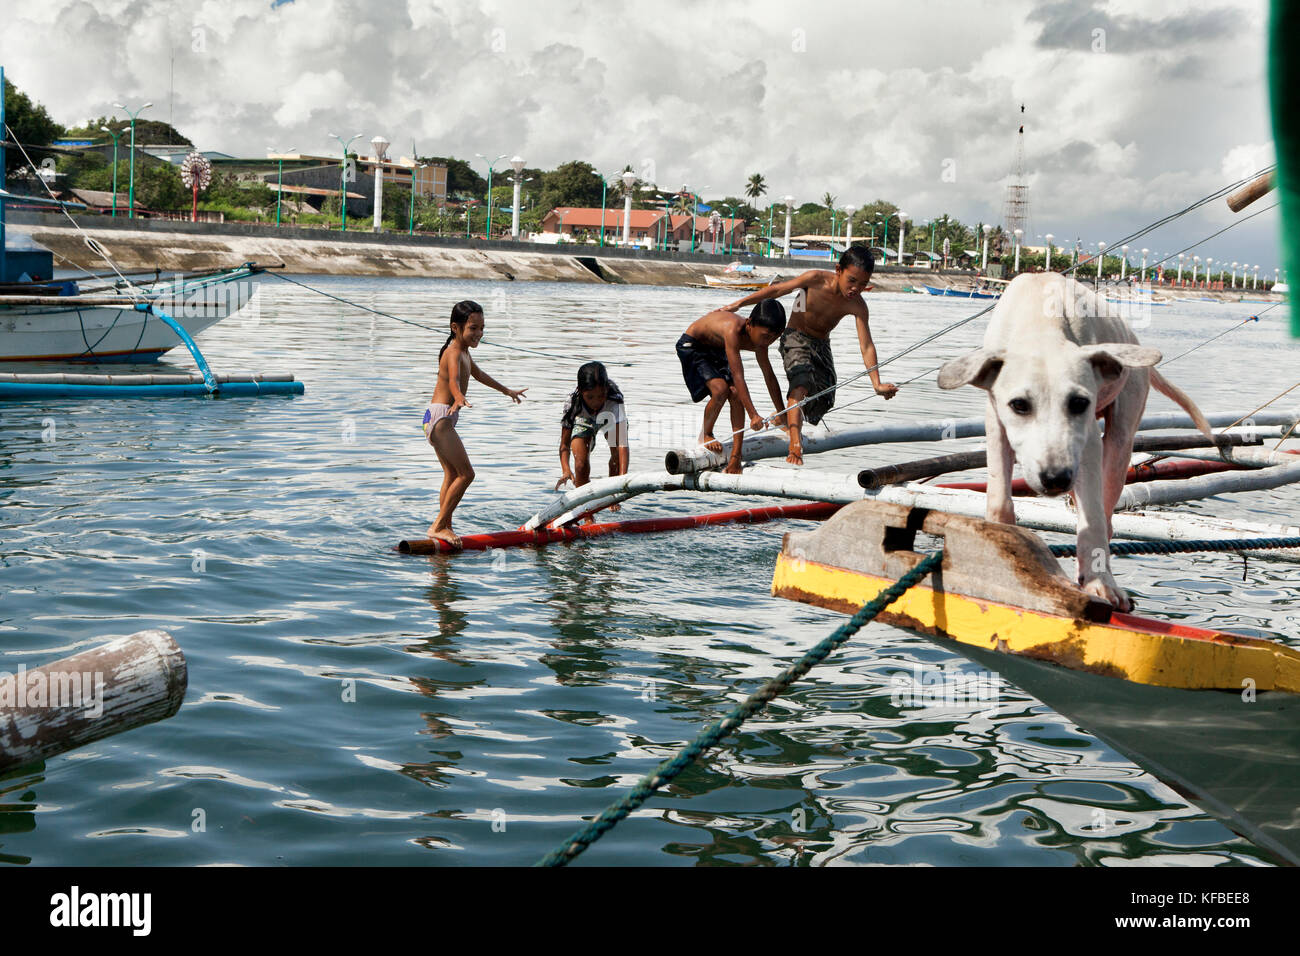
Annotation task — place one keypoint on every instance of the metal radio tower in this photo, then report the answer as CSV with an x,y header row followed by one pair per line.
x,y
1015,213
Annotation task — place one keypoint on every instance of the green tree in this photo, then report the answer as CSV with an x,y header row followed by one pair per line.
x,y
31,124
756,186
147,132
575,183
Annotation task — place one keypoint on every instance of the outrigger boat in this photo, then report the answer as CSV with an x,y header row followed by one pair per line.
x,y
1213,713
46,321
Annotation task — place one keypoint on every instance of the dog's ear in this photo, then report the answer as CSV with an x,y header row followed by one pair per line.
x,y
978,368
1111,358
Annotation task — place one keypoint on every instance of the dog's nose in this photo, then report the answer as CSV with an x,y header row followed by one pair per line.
x,y
1056,480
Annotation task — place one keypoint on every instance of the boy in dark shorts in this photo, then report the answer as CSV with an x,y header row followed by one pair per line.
x,y
710,355
595,406
823,298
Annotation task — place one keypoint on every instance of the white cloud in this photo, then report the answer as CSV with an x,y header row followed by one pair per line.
x,y
860,100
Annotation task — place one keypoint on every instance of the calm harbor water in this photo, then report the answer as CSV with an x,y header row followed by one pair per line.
x,y
348,705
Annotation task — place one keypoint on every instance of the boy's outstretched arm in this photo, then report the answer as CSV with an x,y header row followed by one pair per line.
x,y
776,290
869,358
481,376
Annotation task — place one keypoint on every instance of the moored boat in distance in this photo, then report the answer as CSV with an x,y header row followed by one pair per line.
x,y
86,325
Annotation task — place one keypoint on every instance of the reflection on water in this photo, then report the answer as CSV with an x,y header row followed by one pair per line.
x,y
348,704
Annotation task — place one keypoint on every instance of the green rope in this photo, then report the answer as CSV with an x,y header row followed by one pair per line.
x,y
716,731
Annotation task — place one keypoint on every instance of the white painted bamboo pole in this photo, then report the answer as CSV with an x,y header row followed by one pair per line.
x,y
1203,486
1037,513
125,683
1249,457
778,484
773,443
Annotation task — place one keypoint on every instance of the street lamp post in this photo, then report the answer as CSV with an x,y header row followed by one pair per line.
x,y
629,181
1101,261
517,164
279,178
984,263
1144,264
130,199
343,181
731,227
381,148
1018,233
1254,279
1196,265
115,136
902,235
410,216
1123,262
1048,266
1208,260
789,208
1181,257
487,229
848,225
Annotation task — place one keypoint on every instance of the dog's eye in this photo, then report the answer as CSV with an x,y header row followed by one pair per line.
x,y
1020,406
1078,404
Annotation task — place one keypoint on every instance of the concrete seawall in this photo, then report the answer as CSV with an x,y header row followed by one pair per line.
x,y
184,246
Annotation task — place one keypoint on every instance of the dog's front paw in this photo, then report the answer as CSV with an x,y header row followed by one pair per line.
x,y
1104,587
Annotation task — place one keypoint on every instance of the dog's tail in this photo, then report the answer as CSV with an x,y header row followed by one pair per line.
x,y
1170,390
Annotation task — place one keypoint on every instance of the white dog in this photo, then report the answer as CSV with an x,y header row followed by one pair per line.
x,y
1056,358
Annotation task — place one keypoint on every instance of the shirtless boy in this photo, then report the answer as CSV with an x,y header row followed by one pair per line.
x,y
710,355
824,298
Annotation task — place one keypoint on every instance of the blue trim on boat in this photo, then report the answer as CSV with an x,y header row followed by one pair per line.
x,y
17,390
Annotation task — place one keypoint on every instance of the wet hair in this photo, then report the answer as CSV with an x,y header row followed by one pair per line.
x,y
592,375
460,313
769,314
859,256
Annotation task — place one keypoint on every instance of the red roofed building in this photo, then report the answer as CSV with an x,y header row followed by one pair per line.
x,y
645,225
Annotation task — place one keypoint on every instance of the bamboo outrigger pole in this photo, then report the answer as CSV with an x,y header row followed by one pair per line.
x,y
774,443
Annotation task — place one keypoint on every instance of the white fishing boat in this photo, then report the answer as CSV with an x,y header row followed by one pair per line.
x,y
69,322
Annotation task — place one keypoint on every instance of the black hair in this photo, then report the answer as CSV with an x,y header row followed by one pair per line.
x,y
859,256
592,375
769,314
460,313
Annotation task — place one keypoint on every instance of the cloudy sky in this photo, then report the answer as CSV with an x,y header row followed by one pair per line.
x,y
1133,109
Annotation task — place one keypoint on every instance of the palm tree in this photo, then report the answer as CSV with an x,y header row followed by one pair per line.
x,y
756,186
828,201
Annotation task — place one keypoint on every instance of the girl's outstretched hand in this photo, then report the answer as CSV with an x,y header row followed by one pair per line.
x,y
564,479
516,395
457,405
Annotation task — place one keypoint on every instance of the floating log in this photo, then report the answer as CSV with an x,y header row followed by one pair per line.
x,y
126,683
963,461
773,443
1248,193
507,539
